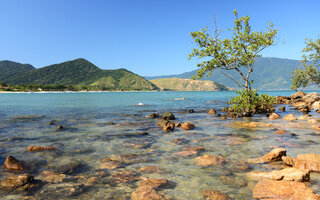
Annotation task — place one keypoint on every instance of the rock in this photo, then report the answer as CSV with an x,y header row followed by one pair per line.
x,y
188,126
155,183
208,160
60,127
223,117
287,174
282,108
178,124
281,131
154,115
298,95
69,167
168,116
214,195
189,151
282,100
270,189
274,116
239,166
62,189
303,117
218,115
51,177
151,170
146,193
290,117
168,128
212,112
253,124
191,111
180,141
274,155
16,182
308,161
38,148
125,177
110,164
13,164
237,181
316,104
288,160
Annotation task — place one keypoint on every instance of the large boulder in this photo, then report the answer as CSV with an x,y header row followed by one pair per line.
x,y
287,174
298,95
13,164
188,126
308,161
271,189
274,155
311,97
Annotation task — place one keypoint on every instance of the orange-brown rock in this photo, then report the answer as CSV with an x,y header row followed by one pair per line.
x,y
214,195
151,169
288,160
188,126
281,131
146,193
273,155
125,177
274,116
38,148
316,127
208,160
13,164
298,95
154,183
252,124
290,117
212,112
287,174
16,182
308,161
290,190
52,177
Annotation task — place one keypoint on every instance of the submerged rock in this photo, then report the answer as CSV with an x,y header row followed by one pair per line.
x,y
188,126
214,195
287,174
235,181
59,127
290,117
62,190
270,189
146,193
151,170
38,148
274,155
274,116
52,177
17,182
13,164
208,160
281,131
212,112
125,177
155,183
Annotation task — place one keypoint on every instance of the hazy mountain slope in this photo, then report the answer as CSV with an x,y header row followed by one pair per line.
x,y
268,74
179,84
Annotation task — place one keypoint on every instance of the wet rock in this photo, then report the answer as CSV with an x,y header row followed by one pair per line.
x,y
316,127
235,181
281,131
191,111
189,151
223,117
62,190
38,148
208,160
151,170
52,177
287,174
137,144
214,195
154,115
106,124
252,124
282,108
188,126
180,141
128,158
69,167
316,104
166,125
13,164
274,155
59,127
239,166
212,112
155,183
218,115
178,124
125,177
274,116
270,189
146,193
288,160
17,182
282,100
108,163
168,116
290,117
298,95
308,161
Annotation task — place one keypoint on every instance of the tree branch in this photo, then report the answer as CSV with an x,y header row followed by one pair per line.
x,y
231,79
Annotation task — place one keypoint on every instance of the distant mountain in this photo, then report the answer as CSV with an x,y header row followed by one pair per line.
x,y
268,74
178,84
11,70
79,72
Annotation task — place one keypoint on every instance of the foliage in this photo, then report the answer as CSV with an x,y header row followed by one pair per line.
x,y
236,54
248,102
310,74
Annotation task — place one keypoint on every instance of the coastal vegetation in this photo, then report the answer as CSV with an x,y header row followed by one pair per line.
x,y
235,54
309,75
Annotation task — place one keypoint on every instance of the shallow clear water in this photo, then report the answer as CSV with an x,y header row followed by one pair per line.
x,y
86,140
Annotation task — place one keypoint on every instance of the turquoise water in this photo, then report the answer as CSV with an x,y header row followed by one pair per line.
x,y
88,137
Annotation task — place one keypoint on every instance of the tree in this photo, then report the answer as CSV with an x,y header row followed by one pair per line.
x,y
310,74
236,53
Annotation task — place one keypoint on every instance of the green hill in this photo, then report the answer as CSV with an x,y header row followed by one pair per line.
x,y
81,72
178,84
11,70
268,74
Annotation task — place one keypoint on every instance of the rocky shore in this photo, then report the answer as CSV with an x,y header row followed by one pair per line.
x,y
276,171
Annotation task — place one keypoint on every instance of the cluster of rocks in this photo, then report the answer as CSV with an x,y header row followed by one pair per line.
x,y
288,183
167,124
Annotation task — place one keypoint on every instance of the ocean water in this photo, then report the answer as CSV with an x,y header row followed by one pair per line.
x,y
89,136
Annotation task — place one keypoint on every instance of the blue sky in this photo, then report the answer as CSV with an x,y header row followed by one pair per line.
x,y
150,37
